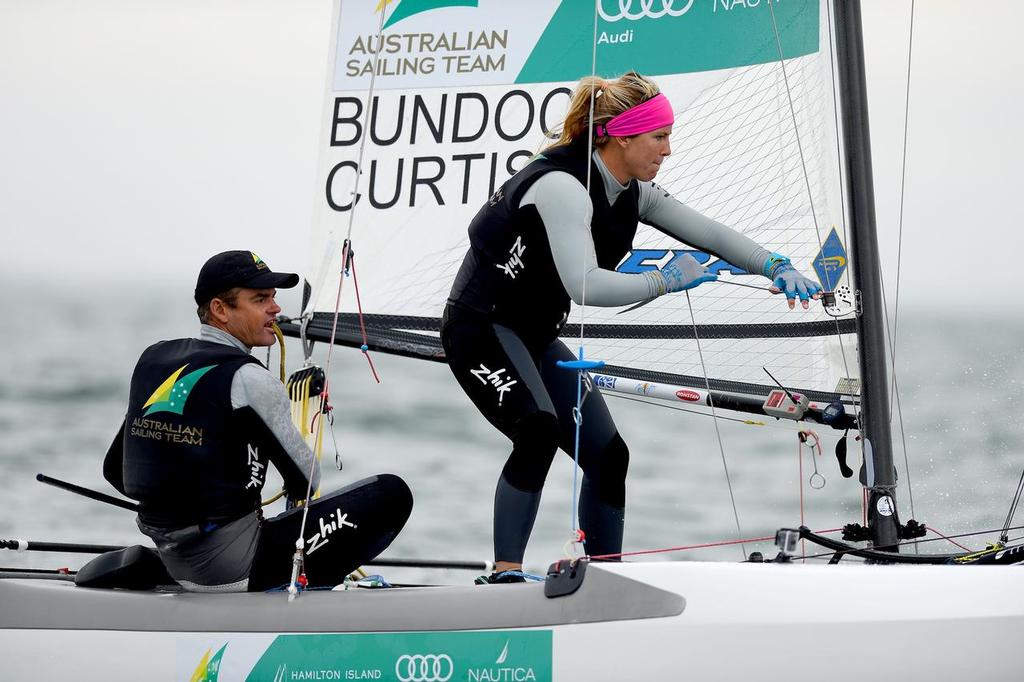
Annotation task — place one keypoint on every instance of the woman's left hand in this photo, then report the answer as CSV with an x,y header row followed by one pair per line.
x,y
788,280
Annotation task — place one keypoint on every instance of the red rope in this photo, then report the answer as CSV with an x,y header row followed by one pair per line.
x,y
800,460
362,324
949,539
701,546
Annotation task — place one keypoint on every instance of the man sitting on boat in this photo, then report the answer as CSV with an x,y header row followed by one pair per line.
x,y
205,420
568,218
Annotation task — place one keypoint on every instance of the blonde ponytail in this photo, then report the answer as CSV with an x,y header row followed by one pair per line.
x,y
610,98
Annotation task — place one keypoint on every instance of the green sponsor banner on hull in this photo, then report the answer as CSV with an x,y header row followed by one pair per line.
x,y
666,37
514,656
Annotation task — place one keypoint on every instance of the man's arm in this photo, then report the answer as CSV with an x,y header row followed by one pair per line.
x,y
254,387
113,462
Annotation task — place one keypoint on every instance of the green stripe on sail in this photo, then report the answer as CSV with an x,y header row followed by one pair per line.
x,y
710,35
407,8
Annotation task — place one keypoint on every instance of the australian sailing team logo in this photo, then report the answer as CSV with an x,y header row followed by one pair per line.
x,y
209,668
407,8
173,393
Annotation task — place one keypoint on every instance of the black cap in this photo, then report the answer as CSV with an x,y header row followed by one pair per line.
x,y
231,269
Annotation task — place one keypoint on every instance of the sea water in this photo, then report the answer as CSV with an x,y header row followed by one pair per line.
x,y
68,353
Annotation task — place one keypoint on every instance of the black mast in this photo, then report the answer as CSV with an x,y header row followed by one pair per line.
x,y
880,475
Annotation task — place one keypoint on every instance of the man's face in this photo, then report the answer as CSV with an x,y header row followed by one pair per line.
x,y
251,319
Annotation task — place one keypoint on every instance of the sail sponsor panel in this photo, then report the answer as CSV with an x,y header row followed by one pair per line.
x,y
434,146
462,43
407,656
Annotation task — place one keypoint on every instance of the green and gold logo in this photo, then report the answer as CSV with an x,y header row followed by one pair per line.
x,y
208,668
173,393
407,8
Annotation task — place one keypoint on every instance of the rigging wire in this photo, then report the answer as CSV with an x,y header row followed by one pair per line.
x,y
807,179
578,412
939,539
891,333
714,416
658,403
345,255
903,182
1013,508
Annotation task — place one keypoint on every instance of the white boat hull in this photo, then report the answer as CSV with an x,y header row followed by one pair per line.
x,y
731,622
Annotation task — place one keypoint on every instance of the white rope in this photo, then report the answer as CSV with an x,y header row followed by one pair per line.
x,y
346,255
578,411
807,181
714,418
891,333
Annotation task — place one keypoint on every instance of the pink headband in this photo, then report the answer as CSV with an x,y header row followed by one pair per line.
x,y
643,118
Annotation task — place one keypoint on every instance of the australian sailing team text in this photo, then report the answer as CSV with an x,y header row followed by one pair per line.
x,y
373,54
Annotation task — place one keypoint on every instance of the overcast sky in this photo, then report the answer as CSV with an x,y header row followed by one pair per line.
x,y
140,136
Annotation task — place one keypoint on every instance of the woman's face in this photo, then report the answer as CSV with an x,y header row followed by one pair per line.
x,y
643,154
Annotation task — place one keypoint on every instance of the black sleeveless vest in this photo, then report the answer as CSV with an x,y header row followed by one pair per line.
x,y
189,457
509,275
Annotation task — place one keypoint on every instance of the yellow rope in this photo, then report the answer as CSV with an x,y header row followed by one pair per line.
x,y
280,344
273,499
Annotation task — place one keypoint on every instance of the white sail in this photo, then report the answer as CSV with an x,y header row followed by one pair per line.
x,y
462,95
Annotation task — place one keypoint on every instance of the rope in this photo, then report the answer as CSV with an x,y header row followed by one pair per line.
x,y
576,535
714,419
921,542
748,422
842,193
894,386
705,545
945,537
280,344
807,180
299,544
362,324
1013,508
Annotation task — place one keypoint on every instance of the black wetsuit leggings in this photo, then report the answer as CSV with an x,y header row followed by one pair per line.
x,y
344,529
517,386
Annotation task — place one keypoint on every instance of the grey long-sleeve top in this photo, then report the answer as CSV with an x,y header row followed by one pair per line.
x,y
255,387
565,208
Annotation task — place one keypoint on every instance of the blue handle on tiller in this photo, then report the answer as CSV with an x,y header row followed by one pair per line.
x,y
580,364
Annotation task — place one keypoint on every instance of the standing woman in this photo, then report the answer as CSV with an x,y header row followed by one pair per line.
x,y
532,245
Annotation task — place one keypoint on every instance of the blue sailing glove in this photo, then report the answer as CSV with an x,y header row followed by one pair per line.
x,y
681,274
788,280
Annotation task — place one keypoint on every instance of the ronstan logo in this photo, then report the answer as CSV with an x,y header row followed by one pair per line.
x,y
646,9
688,395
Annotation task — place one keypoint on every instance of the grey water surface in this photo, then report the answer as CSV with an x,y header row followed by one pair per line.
x,y
68,356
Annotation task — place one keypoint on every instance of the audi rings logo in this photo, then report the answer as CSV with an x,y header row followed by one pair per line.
x,y
424,668
648,9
